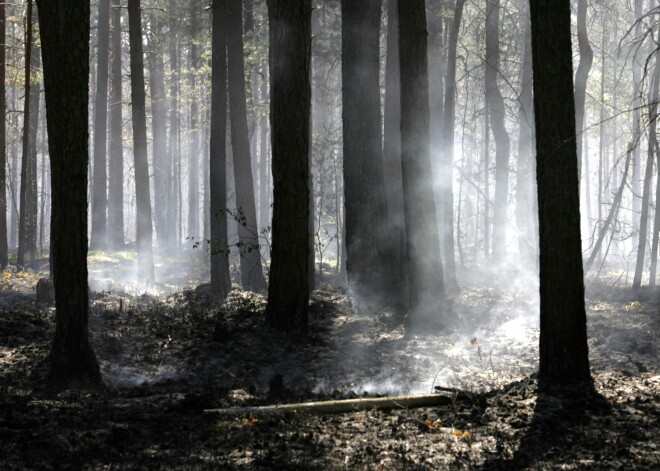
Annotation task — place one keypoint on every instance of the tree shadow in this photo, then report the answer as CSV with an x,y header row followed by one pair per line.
x,y
555,426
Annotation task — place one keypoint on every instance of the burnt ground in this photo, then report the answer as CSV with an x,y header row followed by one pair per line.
x,y
166,357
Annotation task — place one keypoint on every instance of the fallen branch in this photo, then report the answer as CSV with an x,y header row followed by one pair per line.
x,y
343,405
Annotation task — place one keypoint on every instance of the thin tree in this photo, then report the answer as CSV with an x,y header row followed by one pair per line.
x,y
427,299
564,360
193,162
369,263
64,26
653,147
448,148
220,279
115,229
581,75
290,62
252,277
98,236
145,259
497,115
4,249
25,167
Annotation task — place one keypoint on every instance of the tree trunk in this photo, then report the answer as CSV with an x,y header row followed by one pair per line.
x,y
653,145
145,259
174,200
4,249
252,277
32,202
497,114
98,238
159,142
428,303
264,173
564,359
392,176
448,149
116,163
581,76
525,184
25,167
290,62
193,162
65,43
369,262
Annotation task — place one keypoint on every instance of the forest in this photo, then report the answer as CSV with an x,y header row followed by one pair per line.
x,y
329,234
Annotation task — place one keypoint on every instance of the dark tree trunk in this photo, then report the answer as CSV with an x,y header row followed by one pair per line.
x,y
564,359
428,303
174,201
220,279
264,167
4,249
145,260
369,263
98,237
392,161
64,26
159,141
25,167
252,277
290,62
581,76
653,146
193,162
32,201
447,143
497,114
116,163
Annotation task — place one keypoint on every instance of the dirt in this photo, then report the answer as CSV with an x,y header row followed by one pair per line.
x,y
167,357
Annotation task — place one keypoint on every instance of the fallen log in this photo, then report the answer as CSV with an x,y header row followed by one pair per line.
x,y
342,406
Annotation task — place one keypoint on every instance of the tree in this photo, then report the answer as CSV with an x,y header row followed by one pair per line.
x,y
98,237
252,277
427,299
448,147
115,230
145,260
4,249
392,158
220,279
564,360
497,114
193,163
368,260
64,26
290,61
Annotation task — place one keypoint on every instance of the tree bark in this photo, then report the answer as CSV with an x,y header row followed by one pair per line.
x,y
290,62
428,303
115,230
581,76
564,359
653,146
4,249
98,237
220,279
193,162
145,259
497,115
252,277
64,26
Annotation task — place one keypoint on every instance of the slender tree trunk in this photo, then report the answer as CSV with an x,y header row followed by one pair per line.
x,y
252,277
497,121
428,303
4,249
220,279
145,260
637,113
525,195
25,167
264,183
392,175
486,185
193,162
653,146
159,141
32,203
64,26
290,62
174,202
448,149
115,230
581,76
564,359
98,238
